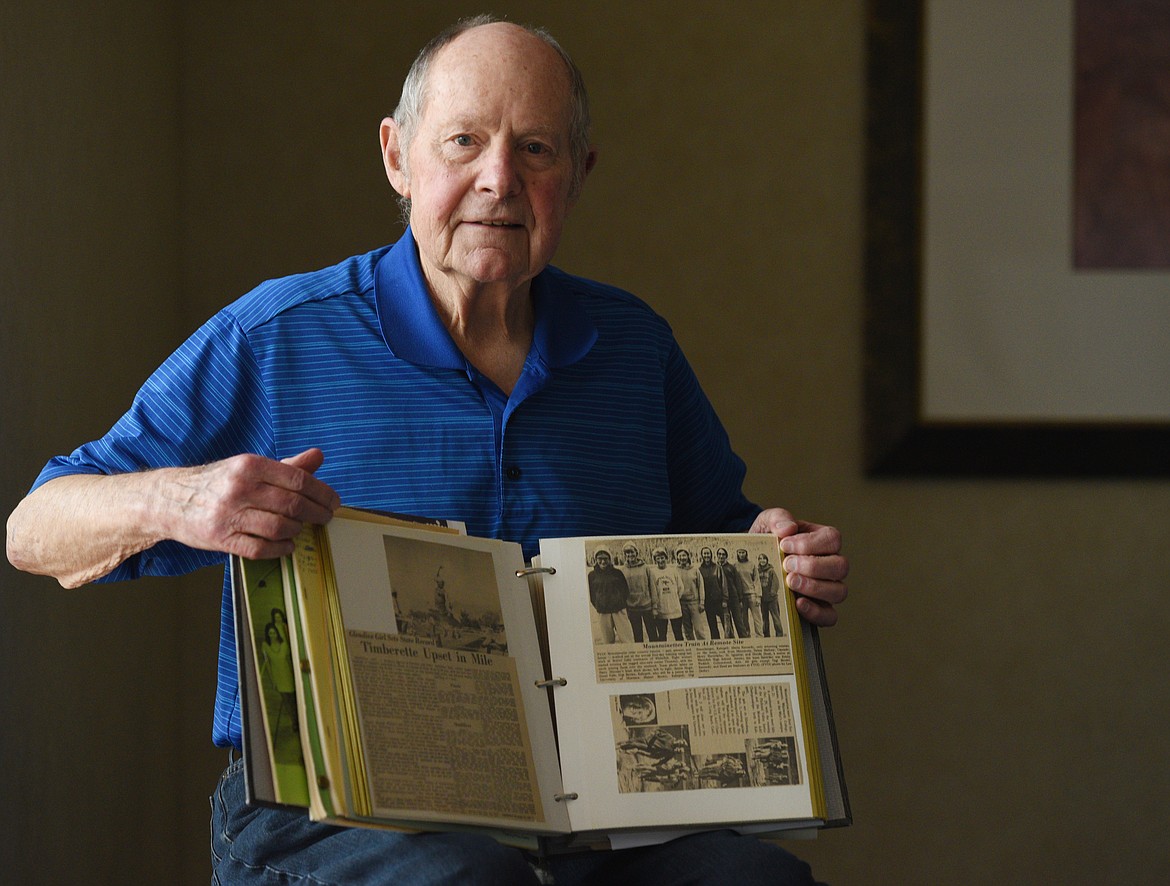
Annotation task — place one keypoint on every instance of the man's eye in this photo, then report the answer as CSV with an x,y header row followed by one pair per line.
x,y
464,141
534,148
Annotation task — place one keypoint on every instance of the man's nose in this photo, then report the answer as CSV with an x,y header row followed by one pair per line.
x,y
500,173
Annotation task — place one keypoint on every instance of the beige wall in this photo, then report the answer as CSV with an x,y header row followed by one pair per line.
x,y
1000,675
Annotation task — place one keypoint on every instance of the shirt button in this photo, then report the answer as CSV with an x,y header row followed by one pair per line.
x,y
513,473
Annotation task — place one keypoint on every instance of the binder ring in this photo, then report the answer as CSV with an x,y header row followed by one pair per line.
x,y
533,570
555,681
560,798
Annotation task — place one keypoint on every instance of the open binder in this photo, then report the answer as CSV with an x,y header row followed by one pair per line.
x,y
442,683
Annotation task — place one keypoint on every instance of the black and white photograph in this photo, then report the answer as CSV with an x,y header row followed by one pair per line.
x,y
655,758
685,588
773,760
445,596
639,709
687,741
722,771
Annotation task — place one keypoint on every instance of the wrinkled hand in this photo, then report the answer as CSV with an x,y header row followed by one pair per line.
x,y
246,505
814,568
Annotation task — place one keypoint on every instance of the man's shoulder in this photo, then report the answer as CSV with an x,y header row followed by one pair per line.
x,y
353,276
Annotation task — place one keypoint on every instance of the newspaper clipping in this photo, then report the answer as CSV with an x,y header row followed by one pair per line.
x,y
687,607
712,737
442,729
441,713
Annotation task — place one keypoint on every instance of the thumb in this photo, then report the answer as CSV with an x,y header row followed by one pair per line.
x,y
776,521
309,460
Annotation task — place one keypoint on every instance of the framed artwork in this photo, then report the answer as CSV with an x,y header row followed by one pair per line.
x,y
1017,265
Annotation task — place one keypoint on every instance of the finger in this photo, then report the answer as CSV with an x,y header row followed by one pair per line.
x,y
252,547
296,475
248,485
831,567
265,524
775,521
812,538
822,615
291,504
309,460
833,592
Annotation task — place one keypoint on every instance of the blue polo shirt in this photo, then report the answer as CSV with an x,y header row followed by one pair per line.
x,y
607,432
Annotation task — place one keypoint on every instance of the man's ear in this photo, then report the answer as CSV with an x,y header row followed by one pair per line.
x,y
590,162
393,158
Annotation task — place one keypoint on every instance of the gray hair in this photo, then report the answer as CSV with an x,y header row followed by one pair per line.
x,y
414,92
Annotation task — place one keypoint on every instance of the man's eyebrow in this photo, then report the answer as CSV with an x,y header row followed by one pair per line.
x,y
453,124
542,129
469,123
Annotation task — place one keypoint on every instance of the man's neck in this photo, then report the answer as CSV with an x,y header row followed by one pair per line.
x,y
493,329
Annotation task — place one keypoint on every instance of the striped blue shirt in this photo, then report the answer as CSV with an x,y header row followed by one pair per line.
x,y
607,432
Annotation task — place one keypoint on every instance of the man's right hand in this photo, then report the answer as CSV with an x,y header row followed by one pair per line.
x,y
79,528
246,505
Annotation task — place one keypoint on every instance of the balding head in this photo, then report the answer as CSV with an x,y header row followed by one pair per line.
x,y
412,103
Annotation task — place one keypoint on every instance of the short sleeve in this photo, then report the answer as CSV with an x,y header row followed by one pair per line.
x,y
206,402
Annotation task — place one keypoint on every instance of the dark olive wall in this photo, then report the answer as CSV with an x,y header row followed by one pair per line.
x,y
1000,671
104,691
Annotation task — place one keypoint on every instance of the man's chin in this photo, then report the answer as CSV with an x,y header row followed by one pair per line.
x,y
488,266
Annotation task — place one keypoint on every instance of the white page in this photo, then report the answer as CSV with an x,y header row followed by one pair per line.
x,y
590,736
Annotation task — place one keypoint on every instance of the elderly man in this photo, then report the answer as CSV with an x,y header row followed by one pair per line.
x,y
454,374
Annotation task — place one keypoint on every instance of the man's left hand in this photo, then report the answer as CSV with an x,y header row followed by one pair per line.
x,y
814,568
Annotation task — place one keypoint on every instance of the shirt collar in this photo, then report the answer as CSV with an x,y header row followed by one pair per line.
x,y
414,331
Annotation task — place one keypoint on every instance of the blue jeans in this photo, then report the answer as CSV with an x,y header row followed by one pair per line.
x,y
254,844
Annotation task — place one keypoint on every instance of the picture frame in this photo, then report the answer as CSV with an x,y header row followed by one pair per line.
x,y
900,439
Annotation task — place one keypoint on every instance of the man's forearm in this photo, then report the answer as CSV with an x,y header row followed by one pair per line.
x,y
79,528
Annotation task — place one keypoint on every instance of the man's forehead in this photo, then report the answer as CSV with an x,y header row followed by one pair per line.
x,y
500,61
